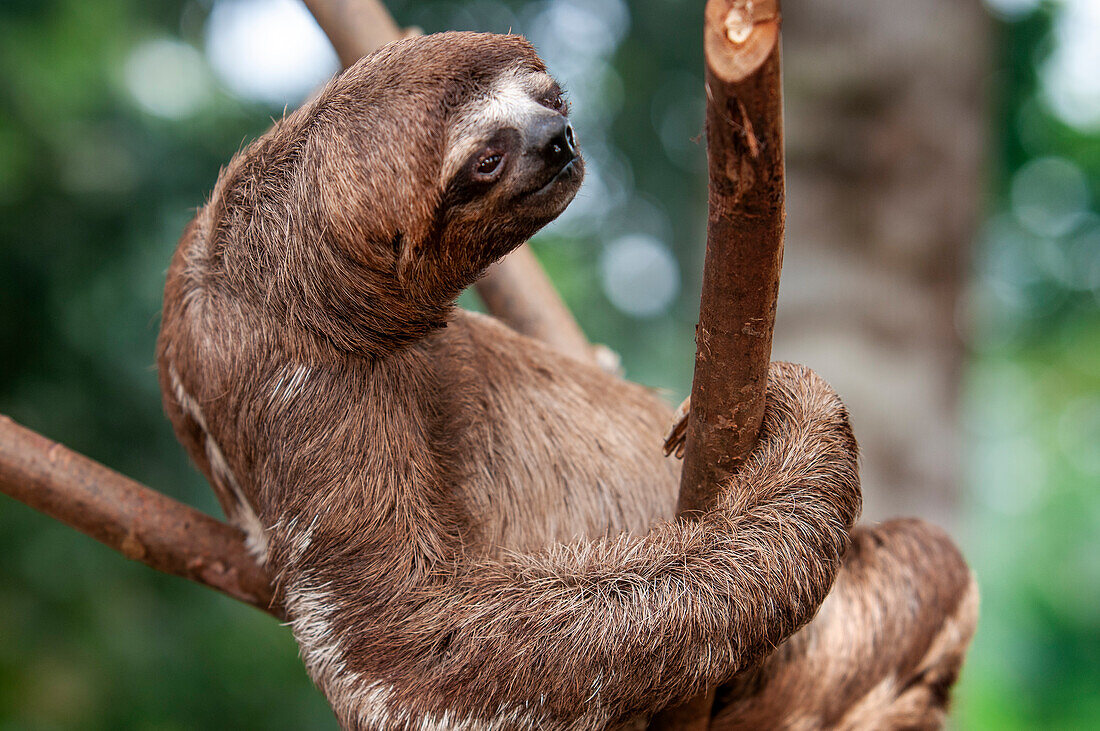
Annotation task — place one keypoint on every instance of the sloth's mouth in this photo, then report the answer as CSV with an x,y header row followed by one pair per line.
x,y
568,171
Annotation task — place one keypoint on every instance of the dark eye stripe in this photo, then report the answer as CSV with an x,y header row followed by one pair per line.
x,y
467,183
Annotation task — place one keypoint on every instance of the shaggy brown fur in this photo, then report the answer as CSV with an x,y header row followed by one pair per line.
x,y
470,530
883,651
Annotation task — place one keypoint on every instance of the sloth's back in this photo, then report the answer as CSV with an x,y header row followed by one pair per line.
x,y
540,448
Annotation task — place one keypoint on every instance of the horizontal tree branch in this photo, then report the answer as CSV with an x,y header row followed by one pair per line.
x,y
138,522
355,27
517,291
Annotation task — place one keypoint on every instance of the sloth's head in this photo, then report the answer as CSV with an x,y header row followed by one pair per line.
x,y
511,155
438,155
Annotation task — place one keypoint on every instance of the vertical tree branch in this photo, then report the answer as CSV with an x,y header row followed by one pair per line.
x,y
516,290
744,124
744,244
139,523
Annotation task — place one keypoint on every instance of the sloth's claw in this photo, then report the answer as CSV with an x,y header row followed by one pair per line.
x,y
676,437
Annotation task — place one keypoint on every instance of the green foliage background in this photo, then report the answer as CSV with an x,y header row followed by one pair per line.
x,y
94,193
1032,505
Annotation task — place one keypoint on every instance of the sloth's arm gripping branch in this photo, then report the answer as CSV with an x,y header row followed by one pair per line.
x,y
624,627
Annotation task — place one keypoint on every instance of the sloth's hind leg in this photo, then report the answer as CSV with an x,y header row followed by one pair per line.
x,y
882,653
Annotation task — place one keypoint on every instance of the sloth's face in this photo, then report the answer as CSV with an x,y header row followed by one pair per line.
x,y
512,162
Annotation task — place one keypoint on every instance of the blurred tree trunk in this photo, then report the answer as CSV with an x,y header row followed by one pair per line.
x,y
885,130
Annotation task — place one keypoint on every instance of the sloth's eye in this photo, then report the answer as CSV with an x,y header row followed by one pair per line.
x,y
487,165
554,101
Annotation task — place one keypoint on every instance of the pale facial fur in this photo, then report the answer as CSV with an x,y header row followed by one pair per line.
x,y
509,102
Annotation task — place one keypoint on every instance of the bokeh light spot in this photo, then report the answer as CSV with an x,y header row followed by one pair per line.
x,y
1049,196
1012,9
1079,434
167,78
1071,74
640,276
268,50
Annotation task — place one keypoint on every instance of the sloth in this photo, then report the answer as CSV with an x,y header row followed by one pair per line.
x,y
469,530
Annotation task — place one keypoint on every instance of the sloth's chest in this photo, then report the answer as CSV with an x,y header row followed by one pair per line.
x,y
545,468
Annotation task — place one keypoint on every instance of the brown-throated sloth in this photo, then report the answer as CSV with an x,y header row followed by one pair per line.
x,y
468,529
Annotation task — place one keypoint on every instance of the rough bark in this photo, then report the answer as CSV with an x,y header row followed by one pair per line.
x,y
744,250
744,128
516,290
138,522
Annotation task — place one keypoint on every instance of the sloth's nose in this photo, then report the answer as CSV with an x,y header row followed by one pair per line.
x,y
552,139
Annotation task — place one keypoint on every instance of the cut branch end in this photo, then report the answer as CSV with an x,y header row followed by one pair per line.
x,y
739,35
